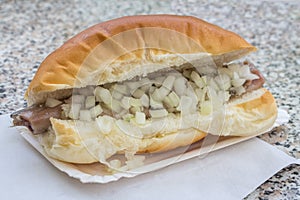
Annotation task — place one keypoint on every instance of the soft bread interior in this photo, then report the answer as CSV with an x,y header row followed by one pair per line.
x,y
86,142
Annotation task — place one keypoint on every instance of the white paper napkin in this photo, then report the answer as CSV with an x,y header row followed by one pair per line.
x,y
229,173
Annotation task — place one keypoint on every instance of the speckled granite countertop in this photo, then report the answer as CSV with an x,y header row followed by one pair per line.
x,y
30,30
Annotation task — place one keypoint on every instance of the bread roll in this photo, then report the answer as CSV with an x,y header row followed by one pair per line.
x,y
135,46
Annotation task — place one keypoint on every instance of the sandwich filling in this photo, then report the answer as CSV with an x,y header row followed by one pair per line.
x,y
181,91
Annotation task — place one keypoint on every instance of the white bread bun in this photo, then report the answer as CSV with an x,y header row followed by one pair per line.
x,y
124,48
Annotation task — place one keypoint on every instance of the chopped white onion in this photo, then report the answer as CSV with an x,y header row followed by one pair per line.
x,y
174,99
50,102
168,82
85,115
135,102
125,102
158,113
223,81
180,85
90,101
206,108
74,111
103,94
115,106
117,95
140,118
121,88
237,82
96,111
197,79
77,99
145,100
155,104
138,93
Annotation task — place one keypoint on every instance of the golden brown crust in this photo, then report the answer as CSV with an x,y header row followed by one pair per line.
x,y
142,38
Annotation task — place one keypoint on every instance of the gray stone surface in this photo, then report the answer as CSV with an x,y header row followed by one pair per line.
x,y
30,30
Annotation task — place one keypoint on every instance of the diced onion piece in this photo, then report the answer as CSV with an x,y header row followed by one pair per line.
x,y
50,102
105,124
152,89
234,67
155,104
240,90
133,85
213,84
171,110
185,105
121,88
138,93
135,102
115,164
167,102
133,110
90,101
213,96
223,81
103,94
206,108
115,106
191,94
235,75
245,73
145,100
145,87
223,95
125,102
197,79
251,76
204,78
226,71
77,99
208,69
168,82
158,81
96,111
160,93
158,113
74,111
117,95
85,115
237,82
180,85
201,93
174,99
140,118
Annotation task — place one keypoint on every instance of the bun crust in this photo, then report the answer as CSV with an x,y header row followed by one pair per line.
x,y
82,142
126,47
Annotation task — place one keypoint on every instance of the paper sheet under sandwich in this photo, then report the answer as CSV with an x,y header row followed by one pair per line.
x,y
230,173
97,173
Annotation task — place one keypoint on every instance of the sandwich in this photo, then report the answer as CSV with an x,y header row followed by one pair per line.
x,y
143,84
